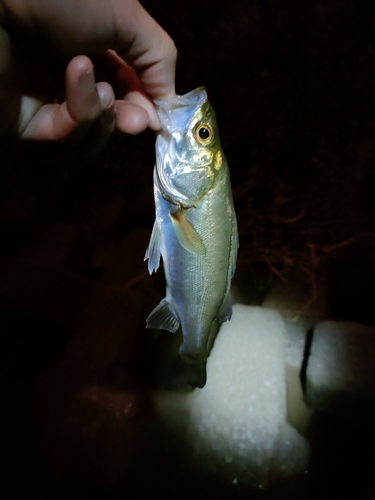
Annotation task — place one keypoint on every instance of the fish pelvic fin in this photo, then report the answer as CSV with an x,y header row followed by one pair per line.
x,y
153,250
163,317
186,234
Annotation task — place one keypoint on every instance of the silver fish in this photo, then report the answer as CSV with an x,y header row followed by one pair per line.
x,y
195,229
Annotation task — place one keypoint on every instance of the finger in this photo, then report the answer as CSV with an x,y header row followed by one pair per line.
x,y
85,103
129,87
82,99
140,100
146,47
130,118
30,106
133,114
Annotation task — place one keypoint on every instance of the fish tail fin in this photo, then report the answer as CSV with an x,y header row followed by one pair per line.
x,y
196,374
192,352
163,317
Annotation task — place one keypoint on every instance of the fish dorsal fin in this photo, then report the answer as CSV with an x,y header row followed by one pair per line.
x,y
186,234
164,317
153,250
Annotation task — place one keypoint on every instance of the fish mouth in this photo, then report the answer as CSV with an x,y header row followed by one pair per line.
x,y
162,143
178,110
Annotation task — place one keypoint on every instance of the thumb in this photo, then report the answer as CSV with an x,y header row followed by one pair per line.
x,y
10,92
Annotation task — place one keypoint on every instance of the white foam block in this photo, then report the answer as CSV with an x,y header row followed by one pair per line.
x,y
236,425
293,300
340,375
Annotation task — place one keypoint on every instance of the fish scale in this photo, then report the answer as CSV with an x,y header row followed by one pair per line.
x,y
195,229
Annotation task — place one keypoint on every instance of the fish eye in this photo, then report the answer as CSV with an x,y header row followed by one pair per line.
x,y
204,134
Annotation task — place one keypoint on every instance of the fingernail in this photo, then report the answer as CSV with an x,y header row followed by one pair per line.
x,y
88,79
106,99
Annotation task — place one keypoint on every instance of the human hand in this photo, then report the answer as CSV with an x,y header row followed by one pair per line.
x,y
36,33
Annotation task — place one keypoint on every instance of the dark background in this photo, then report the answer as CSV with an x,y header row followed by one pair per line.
x,y
293,87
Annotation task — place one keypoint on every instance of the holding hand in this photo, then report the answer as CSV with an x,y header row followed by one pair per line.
x,y
36,34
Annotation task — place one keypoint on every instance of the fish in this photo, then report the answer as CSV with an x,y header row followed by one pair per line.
x,y
195,229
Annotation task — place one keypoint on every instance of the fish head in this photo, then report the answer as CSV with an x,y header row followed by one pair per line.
x,y
188,149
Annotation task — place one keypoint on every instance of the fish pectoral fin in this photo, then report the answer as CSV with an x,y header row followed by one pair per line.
x,y
186,234
225,312
163,317
153,250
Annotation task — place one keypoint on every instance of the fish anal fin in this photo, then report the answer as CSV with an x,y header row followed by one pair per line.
x,y
153,250
186,234
225,312
163,317
234,249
